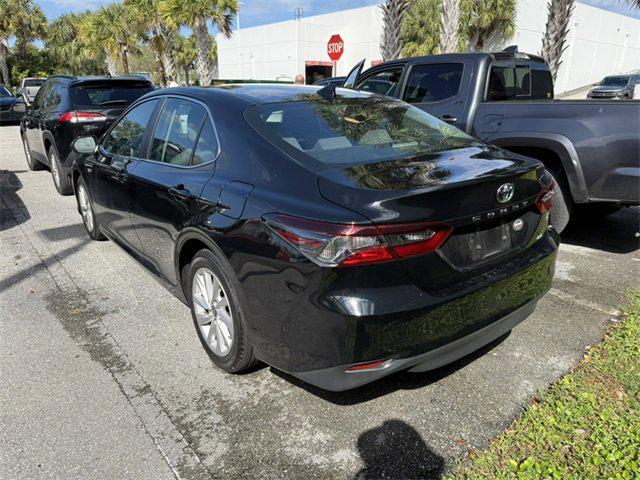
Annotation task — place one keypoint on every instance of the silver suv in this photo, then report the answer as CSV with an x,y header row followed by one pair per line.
x,y
615,87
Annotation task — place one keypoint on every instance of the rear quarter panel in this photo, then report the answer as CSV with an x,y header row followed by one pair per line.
x,y
601,141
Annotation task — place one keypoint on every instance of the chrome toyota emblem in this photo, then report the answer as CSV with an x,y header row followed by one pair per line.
x,y
505,192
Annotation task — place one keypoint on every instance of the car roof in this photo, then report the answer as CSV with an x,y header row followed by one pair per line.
x,y
76,80
451,57
255,93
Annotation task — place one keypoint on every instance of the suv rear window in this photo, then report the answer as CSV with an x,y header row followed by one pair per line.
x,y
352,131
103,95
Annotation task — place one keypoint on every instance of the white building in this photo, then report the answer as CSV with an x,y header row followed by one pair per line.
x,y
599,43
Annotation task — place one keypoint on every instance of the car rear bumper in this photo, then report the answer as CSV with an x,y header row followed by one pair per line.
x,y
339,379
330,321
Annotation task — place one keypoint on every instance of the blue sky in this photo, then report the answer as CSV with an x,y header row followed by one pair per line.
x,y
258,12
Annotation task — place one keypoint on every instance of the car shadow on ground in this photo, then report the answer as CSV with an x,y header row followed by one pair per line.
x,y
615,233
9,199
396,450
397,381
65,232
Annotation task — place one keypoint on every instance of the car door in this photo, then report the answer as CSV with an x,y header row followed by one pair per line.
x,y
108,172
46,115
440,88
32,124
166,187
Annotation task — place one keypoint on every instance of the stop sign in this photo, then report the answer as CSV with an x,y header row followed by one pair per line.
x,y
335,47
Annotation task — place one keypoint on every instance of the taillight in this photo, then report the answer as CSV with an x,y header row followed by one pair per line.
x,y
331,244
80,117
544,202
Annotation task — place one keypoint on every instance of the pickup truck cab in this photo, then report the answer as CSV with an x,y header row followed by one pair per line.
x,y
591,147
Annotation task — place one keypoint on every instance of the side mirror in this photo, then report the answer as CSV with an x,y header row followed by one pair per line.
x,y
19,107
84,145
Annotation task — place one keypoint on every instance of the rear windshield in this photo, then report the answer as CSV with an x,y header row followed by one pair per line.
x,y
34,82
350,131
615,81
104,95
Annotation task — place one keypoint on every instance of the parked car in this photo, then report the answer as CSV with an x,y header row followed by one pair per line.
x,y
339,237
67,107
8,112
592,148
615,87
337,81
29,88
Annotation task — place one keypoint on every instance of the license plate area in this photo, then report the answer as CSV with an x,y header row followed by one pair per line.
x,y
478,244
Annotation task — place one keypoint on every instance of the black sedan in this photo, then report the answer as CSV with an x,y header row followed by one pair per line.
x,y
336,235
8,103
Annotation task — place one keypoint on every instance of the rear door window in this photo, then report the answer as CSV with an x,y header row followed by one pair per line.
x,y
177,131
433,82
107,95
382,83
127,137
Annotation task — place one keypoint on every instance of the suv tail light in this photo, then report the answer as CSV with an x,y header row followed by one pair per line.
x,y
544,202
331,244
81,117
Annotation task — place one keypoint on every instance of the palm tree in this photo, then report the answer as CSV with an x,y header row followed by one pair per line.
x,y
147,13
449,26
555,36
88,27
483,18
115,29
195,14
24,21
64,42
184,51
392,16
421,28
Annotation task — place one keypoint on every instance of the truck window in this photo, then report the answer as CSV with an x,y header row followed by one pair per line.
x,y
501,84
433,82
382,83
519,82
523,80
541,85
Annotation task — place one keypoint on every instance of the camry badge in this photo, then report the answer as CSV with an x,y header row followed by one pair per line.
x,y
505,192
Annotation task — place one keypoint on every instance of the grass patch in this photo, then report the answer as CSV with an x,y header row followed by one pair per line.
x,y
586,426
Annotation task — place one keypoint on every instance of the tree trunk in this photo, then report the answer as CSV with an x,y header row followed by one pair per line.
x,y
555,36
4,69
187,80
125,59
203,48
168,62
449,24
480,41
392,15
157,47
110,63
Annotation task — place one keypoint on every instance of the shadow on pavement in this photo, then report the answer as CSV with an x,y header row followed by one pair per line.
x,y
9,185
64,233
397,381
615,233
396,450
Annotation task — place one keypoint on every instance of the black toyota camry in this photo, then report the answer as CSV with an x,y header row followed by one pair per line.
x,y
336,235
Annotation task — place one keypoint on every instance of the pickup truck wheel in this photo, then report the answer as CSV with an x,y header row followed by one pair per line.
x,y
560,213
61,180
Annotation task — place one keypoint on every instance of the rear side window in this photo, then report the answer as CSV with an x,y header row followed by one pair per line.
x,y
104,95
127,137
433,82
177,131
382,83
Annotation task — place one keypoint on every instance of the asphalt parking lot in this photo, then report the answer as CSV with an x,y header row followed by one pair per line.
x,y
102,374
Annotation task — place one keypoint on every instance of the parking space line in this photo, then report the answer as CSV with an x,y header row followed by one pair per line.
x,y
183,461
584,303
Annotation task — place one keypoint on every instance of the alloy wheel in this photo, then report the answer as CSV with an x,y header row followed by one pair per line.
x,y
85,207
212,311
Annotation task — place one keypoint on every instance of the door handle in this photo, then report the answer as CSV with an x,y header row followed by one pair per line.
x,y
448,119
179,191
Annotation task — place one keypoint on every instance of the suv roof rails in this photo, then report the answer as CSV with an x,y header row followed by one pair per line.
x,y
67,76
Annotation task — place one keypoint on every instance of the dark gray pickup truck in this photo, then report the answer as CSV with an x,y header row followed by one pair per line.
x,y
591,147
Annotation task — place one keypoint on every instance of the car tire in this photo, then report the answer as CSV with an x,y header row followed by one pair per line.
x,y
560,213
31,162
85,206
61,181
217,313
